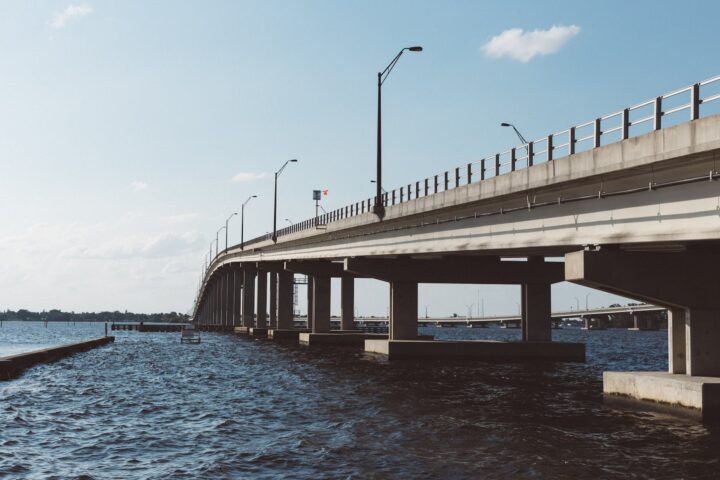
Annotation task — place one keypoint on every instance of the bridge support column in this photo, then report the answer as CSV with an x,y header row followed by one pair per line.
x,y
309,301
320,304
226,311
261,320
285,301
347,303
403,311
237,297
676,340
685,282
273,300
248,297
536,312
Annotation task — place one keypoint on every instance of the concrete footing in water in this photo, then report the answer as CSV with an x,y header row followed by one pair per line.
x,y
285,334
341,338
477,349
690,395
12,366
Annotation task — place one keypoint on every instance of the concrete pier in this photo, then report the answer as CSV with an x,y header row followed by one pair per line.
x,y
12,366
339,338
693,395
477,350
285,334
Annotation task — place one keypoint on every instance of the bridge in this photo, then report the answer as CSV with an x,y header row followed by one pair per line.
x,y
629,202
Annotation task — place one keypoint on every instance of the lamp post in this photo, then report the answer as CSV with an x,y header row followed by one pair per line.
x,y
217,241
379,208
226,230
242,220
381,188
277,174
517,132
289,221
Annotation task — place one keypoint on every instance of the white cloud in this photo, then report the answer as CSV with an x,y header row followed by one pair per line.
x,y
72,11
523,46
166,244
248,176
137,186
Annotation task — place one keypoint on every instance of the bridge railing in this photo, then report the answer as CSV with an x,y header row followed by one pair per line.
x,y
635,120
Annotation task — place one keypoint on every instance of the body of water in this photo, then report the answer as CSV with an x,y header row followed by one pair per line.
x,y
150,407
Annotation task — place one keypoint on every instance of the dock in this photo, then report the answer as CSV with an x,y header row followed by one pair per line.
x,y
13,366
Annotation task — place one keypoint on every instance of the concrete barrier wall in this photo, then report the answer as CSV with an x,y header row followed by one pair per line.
x,y
14,365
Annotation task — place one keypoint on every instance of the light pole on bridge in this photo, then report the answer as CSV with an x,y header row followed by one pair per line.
x,y
277,174
217,240
242,221
226,230
379,208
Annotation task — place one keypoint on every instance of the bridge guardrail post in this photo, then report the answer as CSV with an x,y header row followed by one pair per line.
x,y
497,164
435,183
549,147
530,154
571,141
625,119
695,101
457,177
657,114
597,131
469,172
513,159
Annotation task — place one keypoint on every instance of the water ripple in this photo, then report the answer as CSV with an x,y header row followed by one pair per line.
x,y
149,407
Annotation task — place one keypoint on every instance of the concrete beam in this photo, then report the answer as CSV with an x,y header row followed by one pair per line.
x,y
457,269
273,267
321,268
670,279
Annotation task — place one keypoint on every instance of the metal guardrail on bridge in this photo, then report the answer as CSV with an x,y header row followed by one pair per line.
x,y
573,140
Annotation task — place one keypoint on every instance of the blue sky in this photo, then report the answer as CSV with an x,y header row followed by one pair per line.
x,y
123,124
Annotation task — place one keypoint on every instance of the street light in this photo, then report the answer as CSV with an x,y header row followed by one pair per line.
x,y
217,242
277,174
242,220
226,229
520,136
289,221
381,188
379,208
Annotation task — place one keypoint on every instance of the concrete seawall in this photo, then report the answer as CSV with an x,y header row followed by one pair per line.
x,y
14,365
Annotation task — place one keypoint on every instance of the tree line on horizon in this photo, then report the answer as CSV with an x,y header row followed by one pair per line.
x,y
55,315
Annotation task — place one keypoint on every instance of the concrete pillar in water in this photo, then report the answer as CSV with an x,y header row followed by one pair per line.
x,y
223,298
261,321
347,303
248,298
237,297
536,312
702,338
273,300
676,340
309,301
403,311
285,301
320,304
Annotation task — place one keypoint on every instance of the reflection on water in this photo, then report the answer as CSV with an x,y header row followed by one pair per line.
x,y
149,407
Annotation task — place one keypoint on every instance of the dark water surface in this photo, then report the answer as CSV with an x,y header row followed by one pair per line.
x,y
149,407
